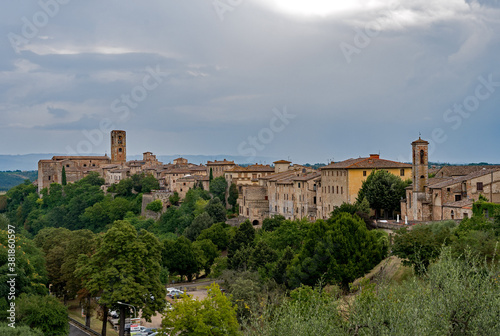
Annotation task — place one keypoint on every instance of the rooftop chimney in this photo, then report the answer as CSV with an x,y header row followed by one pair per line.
x,y
374,156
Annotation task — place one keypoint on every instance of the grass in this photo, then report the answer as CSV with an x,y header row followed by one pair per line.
x,y
75,312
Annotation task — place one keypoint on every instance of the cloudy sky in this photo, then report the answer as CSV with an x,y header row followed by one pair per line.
x,y
309,80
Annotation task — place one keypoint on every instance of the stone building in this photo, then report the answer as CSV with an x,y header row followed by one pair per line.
x,y
112,170
187,182
219,167
249,175
76,168
451,193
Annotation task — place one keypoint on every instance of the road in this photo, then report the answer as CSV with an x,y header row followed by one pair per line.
x,y
74,331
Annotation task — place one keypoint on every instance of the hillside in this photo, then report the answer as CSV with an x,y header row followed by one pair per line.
x,y
10,179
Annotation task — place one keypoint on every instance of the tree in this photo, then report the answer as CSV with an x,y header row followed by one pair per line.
x,y
155,206
200,223
180,257
422,245
214,315
93,179
218,188
383,191
144,183
271,223
218,234
174,199
126,268
210,176
19,331
209,251
29,266
336,251
216,210
243,238
44,312
64,181
232,198
54,242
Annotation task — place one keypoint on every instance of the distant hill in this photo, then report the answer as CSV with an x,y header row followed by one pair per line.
x,y
10,179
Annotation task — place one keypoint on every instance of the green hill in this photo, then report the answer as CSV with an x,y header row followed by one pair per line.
x,y
9,179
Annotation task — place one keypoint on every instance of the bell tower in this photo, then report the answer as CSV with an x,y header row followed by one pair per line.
x,y
118,147
420,164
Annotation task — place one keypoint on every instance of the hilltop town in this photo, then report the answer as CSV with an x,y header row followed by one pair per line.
x,y
291,190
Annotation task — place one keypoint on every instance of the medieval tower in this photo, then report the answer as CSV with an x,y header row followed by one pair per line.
x,y
118,147
420,164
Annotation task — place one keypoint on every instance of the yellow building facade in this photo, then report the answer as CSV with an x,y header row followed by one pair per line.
x,y
341,181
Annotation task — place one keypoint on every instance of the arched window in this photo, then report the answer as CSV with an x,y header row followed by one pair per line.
x,y
422,161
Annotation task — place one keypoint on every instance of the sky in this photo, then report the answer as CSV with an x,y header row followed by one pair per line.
x,y
304,80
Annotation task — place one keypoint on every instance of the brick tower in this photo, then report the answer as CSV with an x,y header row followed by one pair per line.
x,y
118,147
420,164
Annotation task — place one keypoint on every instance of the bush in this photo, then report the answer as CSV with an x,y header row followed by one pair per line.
x,y
43,312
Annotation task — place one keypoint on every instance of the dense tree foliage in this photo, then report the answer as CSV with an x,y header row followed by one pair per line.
x,y
338,250
218,188
214,315
456,297
29,266
383,191
43,312
126,268
232,198
155,206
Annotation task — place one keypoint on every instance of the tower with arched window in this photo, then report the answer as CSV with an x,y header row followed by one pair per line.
x,y
118,147
420,164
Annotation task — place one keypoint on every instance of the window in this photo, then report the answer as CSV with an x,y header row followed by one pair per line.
x,y
67,166
265,197
337,173
299,184
85,165
342,190
479,186
276,208
120,150
458,198
402,172
448,189
364,172
337,189
49,178
422,157
314,199
452,214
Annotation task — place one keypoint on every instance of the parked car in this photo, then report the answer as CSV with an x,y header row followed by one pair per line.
x,y
148,331
175,294
114,314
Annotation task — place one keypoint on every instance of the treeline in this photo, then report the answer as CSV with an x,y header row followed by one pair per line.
x,y
90,244
10,179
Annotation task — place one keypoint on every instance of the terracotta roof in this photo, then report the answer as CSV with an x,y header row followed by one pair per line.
x,y
369,163
307,177
449,171
451,181
420,141
252,168
281,161
57,158
465,203
224,162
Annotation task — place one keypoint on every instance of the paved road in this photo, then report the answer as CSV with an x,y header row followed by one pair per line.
x,y
74,331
